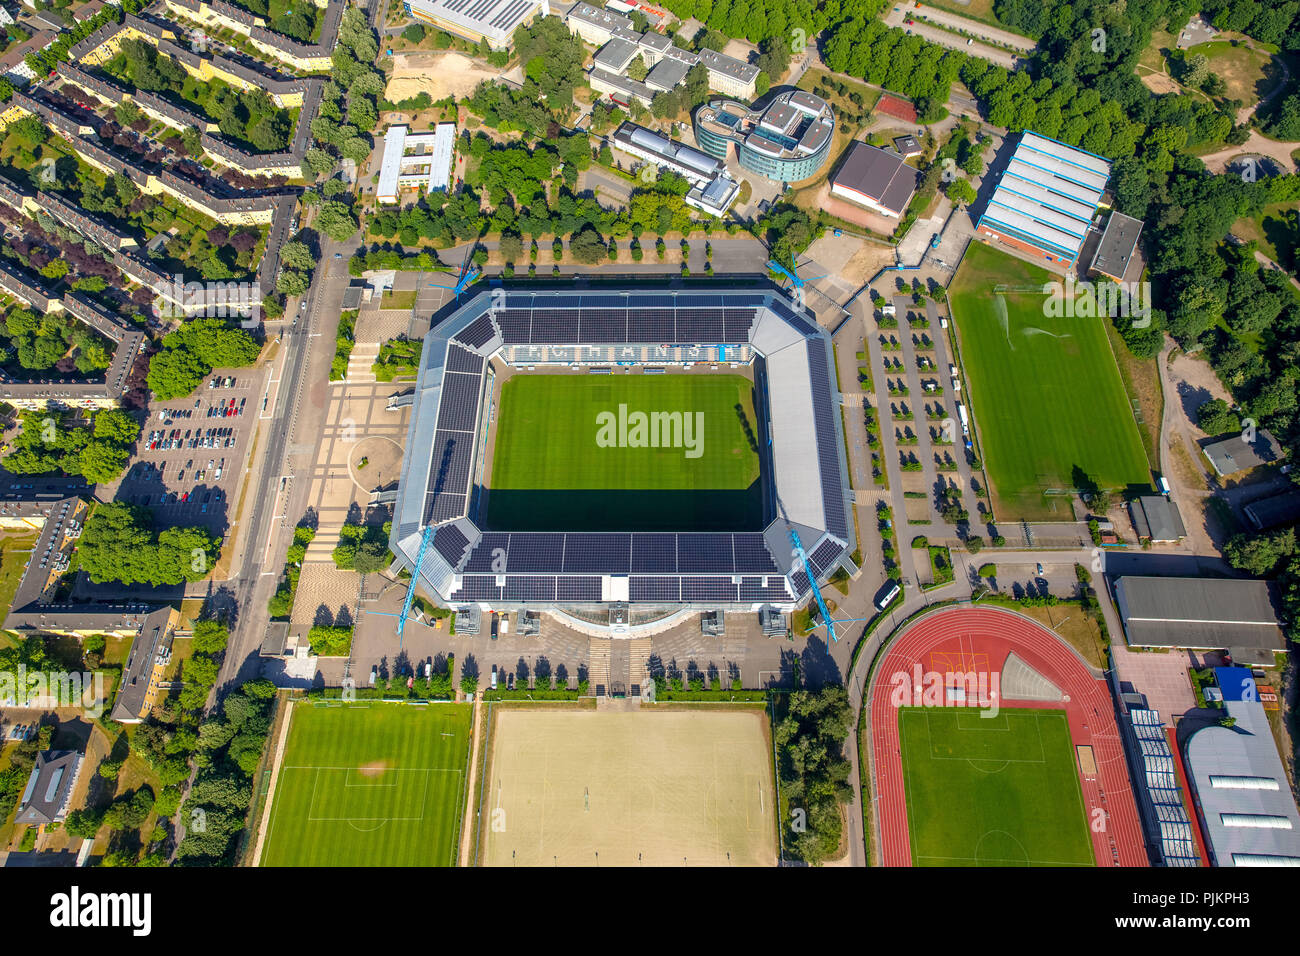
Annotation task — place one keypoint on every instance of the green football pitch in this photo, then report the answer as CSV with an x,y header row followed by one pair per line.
x,y
569,456
370,784
999,791
1049,404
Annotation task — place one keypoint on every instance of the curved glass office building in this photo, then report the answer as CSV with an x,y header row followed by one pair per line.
x,y
788,141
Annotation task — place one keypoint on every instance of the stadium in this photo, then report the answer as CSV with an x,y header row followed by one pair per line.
x,y
514,495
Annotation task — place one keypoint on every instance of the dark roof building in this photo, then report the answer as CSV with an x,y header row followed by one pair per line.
x,y
1236,453
1274,511
875,178
49,788
1156,517
1118,243
1233,614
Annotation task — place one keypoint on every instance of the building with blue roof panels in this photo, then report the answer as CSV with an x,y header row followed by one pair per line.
x,y
442,487
1046,200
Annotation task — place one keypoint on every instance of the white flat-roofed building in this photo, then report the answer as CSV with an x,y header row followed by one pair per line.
x,y
698,168
1046,199
491,20
416,161
715,198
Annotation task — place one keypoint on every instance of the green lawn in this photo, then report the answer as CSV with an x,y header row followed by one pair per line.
x,y
1001,791
553,469
15,550
1048,401
370,785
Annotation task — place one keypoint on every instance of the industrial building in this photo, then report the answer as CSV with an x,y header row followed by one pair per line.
x,y
788,141
1204,614
1045,200
657,148
1243,796
416,161
601,575
492,20
875,178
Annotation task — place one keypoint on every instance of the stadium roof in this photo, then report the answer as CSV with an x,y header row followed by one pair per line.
x,y
1254,823
1177,842
1048,195
1199,613
494,19
806,447
1117,245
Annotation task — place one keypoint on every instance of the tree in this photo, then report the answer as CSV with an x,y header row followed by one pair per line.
x,y
413,33
337,221
210,637
1260,554
961,192
637,70
1216,418
295,254
587,246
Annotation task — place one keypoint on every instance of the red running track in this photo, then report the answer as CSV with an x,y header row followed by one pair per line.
x,y
980,639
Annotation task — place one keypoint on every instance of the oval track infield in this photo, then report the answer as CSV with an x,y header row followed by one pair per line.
x,y
981,639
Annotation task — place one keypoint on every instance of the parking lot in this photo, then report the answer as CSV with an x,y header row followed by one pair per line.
x,y
192,452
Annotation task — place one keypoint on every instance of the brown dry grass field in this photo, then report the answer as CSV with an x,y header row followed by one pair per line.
x,y
581,788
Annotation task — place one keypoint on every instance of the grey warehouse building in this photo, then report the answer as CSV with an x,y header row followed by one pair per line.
x,y
806,487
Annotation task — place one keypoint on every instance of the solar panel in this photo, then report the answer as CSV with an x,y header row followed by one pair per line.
x,y
705,552
459,401
577,589
491,546
536,551
753,589
449,541
700,325
654,589
463,360
651,326
515,324
652,300
453,455
557,302
708,589
529,588
752,555
654,553
602,325
825,553
737,324
554,326
477,333
799,580
443,507
599,553
475,587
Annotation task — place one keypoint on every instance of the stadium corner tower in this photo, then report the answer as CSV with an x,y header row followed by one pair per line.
x,y
440,519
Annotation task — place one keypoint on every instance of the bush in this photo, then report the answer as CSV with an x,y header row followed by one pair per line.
x,y
974,544
988,570
329,640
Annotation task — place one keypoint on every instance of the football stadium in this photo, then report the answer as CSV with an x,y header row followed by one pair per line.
x,y
619,454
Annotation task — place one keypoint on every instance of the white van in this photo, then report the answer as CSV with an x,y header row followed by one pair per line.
x,y
494,677
888,597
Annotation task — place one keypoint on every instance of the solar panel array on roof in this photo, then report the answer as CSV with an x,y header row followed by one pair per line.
x,y
577,589
530,588
459,402
478,587
824,554
708,589
598,553
463,360
449,541
618,322
654,589
828,451
538,551
478,333
443,507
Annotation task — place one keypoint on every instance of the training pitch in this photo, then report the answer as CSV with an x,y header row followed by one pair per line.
x,y
1000,791
569,455
1049,404
581,788
370,784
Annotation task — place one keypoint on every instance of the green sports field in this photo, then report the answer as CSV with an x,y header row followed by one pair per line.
x,y
370,784
999,791
1049,405
554,467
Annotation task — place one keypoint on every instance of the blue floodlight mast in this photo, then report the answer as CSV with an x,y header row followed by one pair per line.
x,y
415,577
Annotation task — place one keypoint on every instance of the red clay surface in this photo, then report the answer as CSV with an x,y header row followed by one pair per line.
x,y
975,638
899,108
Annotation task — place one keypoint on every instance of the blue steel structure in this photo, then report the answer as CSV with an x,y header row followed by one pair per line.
x,y
415,577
